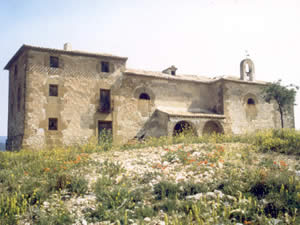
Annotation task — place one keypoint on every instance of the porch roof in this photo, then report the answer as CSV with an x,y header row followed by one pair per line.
x,y
179,113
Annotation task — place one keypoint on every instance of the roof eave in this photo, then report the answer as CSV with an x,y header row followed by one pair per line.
x,y
23,47
16,55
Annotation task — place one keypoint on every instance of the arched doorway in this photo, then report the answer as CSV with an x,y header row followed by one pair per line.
x,y
251,110
144,104
212,127
184,127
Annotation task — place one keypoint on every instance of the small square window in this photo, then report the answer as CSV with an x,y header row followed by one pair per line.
x,y
105,67
53,90
52,124
54,62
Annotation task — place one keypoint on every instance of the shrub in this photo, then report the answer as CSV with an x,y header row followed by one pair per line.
x,y
283,141
78,185
166,189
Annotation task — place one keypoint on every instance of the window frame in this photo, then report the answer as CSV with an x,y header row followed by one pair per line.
x,y
16,71
105,101
105,67
53,63
19,98
53,88
53,127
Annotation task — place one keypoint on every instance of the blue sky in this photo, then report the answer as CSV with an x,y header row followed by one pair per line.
x,y
207,37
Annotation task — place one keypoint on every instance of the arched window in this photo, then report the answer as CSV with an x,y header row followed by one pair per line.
x,y
250,107
144,104
144,96
211,127
184,127
250,101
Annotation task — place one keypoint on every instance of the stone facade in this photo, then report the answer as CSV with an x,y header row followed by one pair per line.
x,y
65,97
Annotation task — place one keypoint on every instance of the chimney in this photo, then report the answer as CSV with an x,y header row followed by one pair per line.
x,y
67,47
170,70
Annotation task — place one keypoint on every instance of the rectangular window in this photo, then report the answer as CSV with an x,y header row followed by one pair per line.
x,y
104,131
16,72
53,90
54,62
105,67
19,99
52,124
104,100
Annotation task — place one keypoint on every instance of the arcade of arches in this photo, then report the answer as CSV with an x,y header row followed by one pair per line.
x,y
210,127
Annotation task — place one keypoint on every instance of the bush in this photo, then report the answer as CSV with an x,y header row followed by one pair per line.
x,y
285,141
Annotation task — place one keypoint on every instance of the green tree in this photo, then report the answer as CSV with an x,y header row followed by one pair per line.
x,y
284,96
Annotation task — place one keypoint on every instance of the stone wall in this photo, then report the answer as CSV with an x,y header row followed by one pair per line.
x,y
169,94
76,107
16,103
141,105
243,116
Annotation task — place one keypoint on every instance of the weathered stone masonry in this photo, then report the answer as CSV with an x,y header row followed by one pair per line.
x,y
65,97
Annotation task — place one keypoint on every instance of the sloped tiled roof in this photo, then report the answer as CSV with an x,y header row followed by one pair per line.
x,y
194,78
62,51
177,112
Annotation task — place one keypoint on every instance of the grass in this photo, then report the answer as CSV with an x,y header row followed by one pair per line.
x,y
217,179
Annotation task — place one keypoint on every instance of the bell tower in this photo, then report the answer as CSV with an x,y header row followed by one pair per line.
x,y
247,70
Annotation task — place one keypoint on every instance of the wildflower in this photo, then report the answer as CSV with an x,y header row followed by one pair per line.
x,y
25,173
47,169
247,222
221,160
205,162
212,165
166,149
220,149
282,163
192,160
275,163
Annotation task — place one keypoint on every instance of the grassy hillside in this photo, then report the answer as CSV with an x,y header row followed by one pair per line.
x,y
250,179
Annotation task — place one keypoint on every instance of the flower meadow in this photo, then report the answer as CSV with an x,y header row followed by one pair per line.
x,y
217,179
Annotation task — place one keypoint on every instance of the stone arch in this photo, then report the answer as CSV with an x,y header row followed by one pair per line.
x,y
144,90
144,96
250,104
184,126
211,127
247,69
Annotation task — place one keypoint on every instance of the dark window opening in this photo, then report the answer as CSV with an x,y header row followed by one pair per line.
x,y
19,99
173,72
52,124
104,131
16,71
53,90
183,127
104,100
105,67
54,62
144,96
251,101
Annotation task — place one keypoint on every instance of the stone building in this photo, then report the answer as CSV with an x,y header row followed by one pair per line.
x,y
64,97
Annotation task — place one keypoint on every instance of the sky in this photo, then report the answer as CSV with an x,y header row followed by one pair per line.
x,y
204,37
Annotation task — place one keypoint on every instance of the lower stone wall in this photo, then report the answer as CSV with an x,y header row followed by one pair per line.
x,y
14,142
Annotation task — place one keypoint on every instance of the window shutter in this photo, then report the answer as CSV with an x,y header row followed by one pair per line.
x,y
111,67
61,63
98,67
47,60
